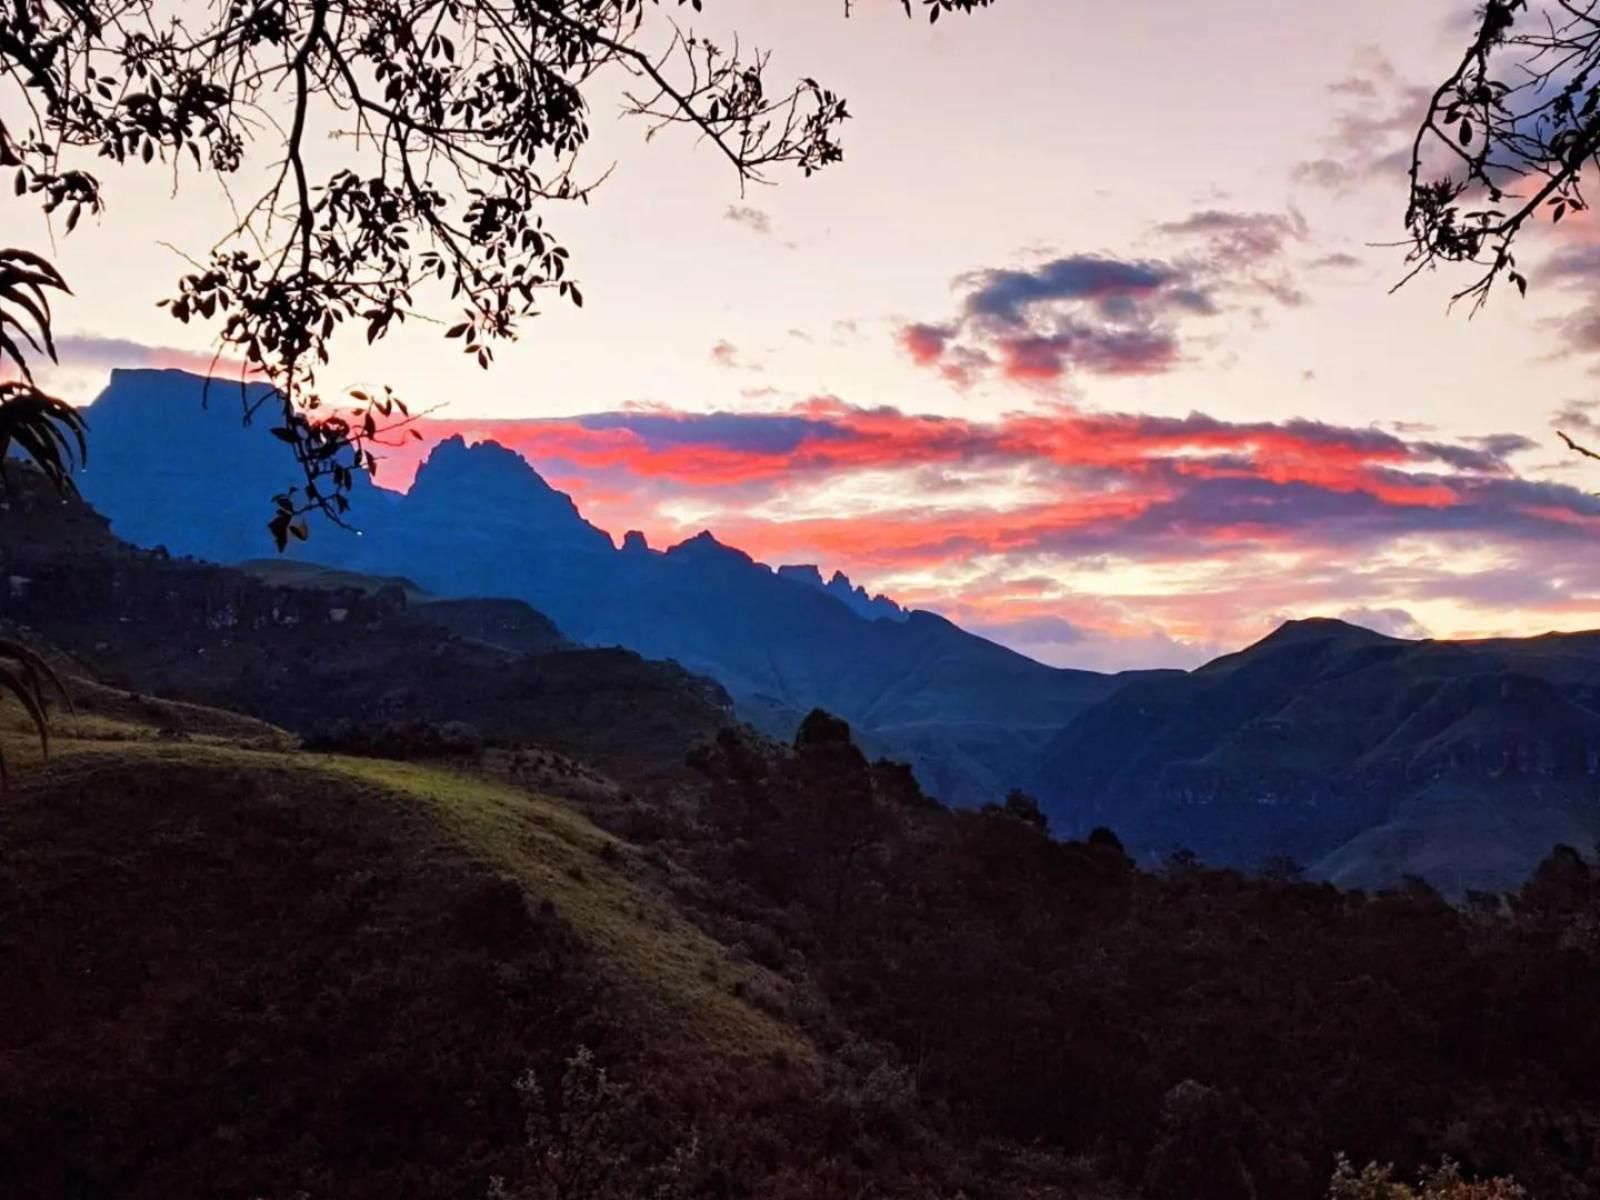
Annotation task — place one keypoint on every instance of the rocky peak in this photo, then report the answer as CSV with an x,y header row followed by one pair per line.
x,y
456,462
856,599
704,546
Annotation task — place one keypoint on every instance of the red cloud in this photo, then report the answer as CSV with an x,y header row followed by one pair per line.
x,y
824,436
902,500
924,343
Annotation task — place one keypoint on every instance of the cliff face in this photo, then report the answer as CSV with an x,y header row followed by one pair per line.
x,y
56,593
62,567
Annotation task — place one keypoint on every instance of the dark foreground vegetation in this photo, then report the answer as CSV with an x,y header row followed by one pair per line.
x,y
239,972
242,972
1202,1034
212,986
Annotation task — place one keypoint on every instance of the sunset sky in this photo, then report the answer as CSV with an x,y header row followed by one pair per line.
x,y
1087,344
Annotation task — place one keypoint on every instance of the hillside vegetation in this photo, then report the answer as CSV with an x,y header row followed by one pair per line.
x,y
229,968
349,661
232,967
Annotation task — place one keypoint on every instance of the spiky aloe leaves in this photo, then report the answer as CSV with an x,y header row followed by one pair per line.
x,y
25,675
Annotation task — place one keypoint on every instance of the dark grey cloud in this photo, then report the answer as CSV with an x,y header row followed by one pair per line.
x,y
91,351
1254,235
1007,296
1573,269
1486,455
1579,418
1099,314
751,218
1392,622
1046,630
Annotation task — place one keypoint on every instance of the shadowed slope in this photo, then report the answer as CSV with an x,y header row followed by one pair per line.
x,y
231,971
351,650
221,978
1464,762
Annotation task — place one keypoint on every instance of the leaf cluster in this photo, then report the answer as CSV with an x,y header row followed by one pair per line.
x,y
40,427
1516,123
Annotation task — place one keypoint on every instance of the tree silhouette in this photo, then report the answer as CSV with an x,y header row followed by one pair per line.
x,y
1514,124
46,430
42,427
459,123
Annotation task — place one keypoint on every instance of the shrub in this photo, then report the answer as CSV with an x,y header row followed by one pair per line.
x,y
398,739
1443,1182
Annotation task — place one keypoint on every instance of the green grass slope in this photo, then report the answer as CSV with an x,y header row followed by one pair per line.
x,y
229,968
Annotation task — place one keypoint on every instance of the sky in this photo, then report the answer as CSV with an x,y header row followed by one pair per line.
x,y
1087,344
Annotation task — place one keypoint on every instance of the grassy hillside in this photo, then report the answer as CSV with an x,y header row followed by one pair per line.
x,y
592,879
229,968
286,572
227,975
233,968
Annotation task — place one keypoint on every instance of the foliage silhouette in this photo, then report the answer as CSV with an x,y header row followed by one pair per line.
x,y
1202,1033
24,676
1518,121
1444,1182
42,427
459,122
46,429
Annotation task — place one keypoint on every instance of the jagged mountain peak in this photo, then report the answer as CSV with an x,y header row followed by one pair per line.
x,y
857,599
481,521
455,461
705,546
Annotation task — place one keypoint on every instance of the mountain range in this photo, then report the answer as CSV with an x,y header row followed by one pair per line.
x,y
1360,757
172,466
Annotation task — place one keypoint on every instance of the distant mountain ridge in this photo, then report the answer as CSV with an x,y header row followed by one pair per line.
x,y
480,521
1361,756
